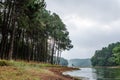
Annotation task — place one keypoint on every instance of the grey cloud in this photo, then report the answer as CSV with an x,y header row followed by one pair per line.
x,y
103,10
87,38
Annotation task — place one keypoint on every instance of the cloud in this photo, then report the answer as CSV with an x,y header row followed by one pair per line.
x,y
92,24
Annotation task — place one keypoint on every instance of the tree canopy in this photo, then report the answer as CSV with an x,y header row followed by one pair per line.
x,y
30,32
108,56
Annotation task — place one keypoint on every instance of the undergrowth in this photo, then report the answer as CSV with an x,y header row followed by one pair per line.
x,y
21,70
25,64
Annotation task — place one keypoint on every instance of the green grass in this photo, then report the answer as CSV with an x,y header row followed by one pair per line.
x,y
12,73
20,70
4,63
25,64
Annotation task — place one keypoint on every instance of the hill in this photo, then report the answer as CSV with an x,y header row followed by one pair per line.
x,y
80,63
63,62
107,56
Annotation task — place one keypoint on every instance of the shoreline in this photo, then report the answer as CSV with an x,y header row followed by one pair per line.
x,y
77,78
60,70
18,70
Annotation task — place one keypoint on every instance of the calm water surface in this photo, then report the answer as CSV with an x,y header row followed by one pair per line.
x,y
96,73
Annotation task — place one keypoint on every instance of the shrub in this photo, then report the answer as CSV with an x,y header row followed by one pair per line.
x,y
4,63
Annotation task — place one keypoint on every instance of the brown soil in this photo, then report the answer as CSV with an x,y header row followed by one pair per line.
x,y
56,74
45,73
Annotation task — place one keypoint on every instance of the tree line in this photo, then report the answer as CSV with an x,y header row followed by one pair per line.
x,y
30,32
107,56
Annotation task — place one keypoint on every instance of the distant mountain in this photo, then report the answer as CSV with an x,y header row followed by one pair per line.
x,y
79,63
62,61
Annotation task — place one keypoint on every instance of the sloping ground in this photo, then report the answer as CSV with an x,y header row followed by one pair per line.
x,y
13,73
11,70
59,70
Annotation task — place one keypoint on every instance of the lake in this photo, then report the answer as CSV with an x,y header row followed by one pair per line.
x,y
96,73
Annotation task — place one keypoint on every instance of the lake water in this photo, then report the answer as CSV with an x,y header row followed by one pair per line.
x,y
96,73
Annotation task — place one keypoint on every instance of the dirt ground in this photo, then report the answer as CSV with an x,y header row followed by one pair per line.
x,y
56,74
28,73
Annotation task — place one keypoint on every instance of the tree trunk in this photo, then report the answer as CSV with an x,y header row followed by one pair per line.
x,y
11,44
13,27
52,55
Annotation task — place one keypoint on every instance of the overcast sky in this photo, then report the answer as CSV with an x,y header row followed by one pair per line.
x,y
92,24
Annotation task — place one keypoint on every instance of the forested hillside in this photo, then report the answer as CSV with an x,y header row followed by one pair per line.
x,y
80,63
107,56
63,62
30,32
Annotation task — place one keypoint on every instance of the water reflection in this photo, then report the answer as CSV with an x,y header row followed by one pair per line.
x,y
97,73
107,73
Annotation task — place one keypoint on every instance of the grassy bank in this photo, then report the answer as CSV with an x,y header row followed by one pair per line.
x,y
20,70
